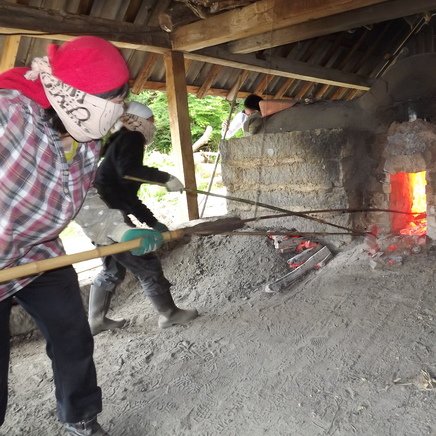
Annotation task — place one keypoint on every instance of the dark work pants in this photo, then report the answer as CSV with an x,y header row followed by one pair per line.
x,y
147,269
53,300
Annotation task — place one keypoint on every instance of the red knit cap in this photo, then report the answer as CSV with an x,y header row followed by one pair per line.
x,y
89,64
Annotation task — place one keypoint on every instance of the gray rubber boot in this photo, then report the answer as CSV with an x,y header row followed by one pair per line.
x,y
169,313
99,301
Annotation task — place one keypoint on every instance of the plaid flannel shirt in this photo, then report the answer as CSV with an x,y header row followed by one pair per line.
x,y
40,193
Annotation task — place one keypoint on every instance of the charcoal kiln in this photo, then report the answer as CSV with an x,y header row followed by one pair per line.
x,y
378,151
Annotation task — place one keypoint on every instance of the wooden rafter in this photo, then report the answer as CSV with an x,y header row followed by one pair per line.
x,y
304,89
362,59
36,22
51,24
282,67
339,94
336,23
191,89
325,88
145,73
211,76
263,84
259,17
283,88
234,90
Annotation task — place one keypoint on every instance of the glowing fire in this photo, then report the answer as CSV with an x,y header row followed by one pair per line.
x,y
419,199
418,223
408,194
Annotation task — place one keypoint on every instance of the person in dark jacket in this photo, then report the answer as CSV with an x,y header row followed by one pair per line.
x,y
123,156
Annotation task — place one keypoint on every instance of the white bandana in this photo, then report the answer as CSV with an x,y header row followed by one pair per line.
x,y
85,116
139,124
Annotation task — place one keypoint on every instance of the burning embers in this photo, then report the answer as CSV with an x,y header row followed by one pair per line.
x,y
408,195
408,204
408,191
410,165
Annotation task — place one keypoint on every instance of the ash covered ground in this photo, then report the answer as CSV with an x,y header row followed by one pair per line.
x,y
349,350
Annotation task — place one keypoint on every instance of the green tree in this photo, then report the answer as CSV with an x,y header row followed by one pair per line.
x,y
208,111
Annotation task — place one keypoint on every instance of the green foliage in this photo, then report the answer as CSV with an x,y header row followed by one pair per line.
x,y
155,196
208,111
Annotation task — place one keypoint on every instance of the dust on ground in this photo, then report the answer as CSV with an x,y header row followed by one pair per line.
x,y
341,353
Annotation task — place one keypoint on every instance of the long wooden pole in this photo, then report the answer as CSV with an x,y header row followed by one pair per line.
x,y
40,266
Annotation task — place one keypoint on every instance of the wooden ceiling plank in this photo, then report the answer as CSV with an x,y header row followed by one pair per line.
x,y
35,21
282,67
234,90
85,7
218,92
187,65
339,94
161,6
143,15
211,76
336,23
303,91
321,92
355,63
259,17
131,10
9,53
145,73
263,84
283,88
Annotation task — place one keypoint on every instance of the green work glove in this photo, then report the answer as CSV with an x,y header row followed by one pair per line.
x,y
150,240
160,227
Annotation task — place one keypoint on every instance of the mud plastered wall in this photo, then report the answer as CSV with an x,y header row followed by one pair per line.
x,y
298,171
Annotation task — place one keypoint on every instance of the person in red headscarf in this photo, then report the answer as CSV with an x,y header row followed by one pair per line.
x,y
52,117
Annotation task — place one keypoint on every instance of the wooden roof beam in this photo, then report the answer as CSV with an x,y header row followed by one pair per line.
x,y
191,89
282,67
259,17
332,24
51,24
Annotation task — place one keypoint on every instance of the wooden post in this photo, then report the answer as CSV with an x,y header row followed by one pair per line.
x,y
180,124
10,50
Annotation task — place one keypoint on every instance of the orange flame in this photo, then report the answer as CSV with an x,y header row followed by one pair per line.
x,y
419,198
418,223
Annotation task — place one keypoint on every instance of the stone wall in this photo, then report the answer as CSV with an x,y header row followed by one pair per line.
x,y
407,147
299,171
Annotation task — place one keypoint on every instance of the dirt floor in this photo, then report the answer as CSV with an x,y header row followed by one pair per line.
x,y
349,350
